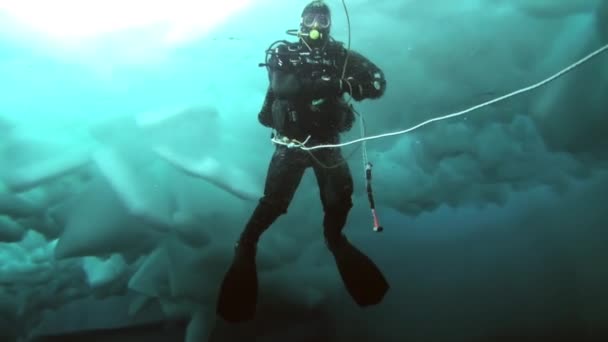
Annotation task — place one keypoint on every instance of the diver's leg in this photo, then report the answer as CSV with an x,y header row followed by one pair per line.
x,y
282,180
336,189
362,278
238,293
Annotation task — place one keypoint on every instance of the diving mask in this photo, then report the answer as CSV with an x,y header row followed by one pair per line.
x,y
316,20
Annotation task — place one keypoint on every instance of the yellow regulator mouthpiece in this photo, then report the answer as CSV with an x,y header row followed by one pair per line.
x,y
314,34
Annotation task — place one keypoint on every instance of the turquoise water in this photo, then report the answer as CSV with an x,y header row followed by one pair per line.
x,y
130,161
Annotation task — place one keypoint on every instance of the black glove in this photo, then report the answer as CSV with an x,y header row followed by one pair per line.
x,y
328,87
353,87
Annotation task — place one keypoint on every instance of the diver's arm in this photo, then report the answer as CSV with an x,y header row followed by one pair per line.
x,y
364,79
265,114
285,84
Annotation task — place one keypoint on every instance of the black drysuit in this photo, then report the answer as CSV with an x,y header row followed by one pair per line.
x,y
305,98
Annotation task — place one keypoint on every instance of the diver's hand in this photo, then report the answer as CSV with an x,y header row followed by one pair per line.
x,y
353,88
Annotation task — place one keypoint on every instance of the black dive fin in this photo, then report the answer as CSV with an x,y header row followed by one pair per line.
x,y
238,294
362,278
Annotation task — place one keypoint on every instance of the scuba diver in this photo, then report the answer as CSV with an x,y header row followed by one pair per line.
x,y
308,80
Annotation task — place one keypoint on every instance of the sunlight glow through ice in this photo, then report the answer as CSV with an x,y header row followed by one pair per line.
x,y
73,21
